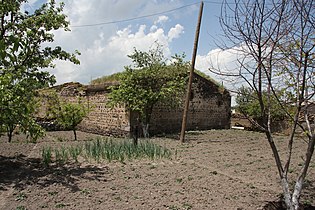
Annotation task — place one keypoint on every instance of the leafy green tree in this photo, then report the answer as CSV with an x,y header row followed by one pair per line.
x,y
51,101
17,108
248,104
70,115
149,81
22,56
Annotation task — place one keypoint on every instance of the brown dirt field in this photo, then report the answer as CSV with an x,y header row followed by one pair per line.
x,y
216,169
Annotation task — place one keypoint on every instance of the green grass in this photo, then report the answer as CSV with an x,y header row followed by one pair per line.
x,y
179,180
62,155
60,205
85,192
107,149
21,196
187,206
121,150
52,193
46,156
75,152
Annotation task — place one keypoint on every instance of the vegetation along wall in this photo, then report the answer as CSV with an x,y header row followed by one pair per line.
x,y
210,108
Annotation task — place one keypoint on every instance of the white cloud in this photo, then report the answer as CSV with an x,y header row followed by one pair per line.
x,y
218,59
175,32
224,61
105,48
125,41
161,19
109,55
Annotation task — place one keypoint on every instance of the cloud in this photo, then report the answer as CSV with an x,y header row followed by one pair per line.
x,y
161,19
104,48
218,60
125,41
105,56
175,32
225,61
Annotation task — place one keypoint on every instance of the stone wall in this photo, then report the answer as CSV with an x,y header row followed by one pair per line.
x,y
209,108
103,119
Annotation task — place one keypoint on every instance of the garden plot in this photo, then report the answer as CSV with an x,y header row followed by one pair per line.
x,y
216,169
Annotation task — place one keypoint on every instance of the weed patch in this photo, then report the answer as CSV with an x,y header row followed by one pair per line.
x,y
21,196
21,208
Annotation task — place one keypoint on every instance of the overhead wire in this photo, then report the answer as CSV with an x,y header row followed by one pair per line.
x,y
135,18
145,16
139,17
212,2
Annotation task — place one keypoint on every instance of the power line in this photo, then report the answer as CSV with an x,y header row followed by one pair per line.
x,y
212,2
140,17
135,18
145,16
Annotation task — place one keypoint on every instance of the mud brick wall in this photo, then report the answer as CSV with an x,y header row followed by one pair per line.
x,y
209,108
102,119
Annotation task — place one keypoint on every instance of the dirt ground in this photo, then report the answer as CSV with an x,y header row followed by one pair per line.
x,y
216,169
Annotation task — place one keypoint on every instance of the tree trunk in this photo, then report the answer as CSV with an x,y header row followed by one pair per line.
x,y
75,134
145,130
283,176
297,193
135,135
286,193
10,136
300,180
145,124
10,133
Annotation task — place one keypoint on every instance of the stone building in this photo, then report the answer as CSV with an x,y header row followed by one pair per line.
x,y
210,108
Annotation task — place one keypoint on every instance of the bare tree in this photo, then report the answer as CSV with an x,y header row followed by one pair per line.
x,y
276,41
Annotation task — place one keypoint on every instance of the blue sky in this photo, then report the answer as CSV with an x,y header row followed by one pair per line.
x,y
105,46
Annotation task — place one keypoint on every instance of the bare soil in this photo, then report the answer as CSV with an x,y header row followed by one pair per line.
x,y
216,169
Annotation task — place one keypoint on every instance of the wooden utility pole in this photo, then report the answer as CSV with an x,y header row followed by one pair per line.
x,y
191,75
